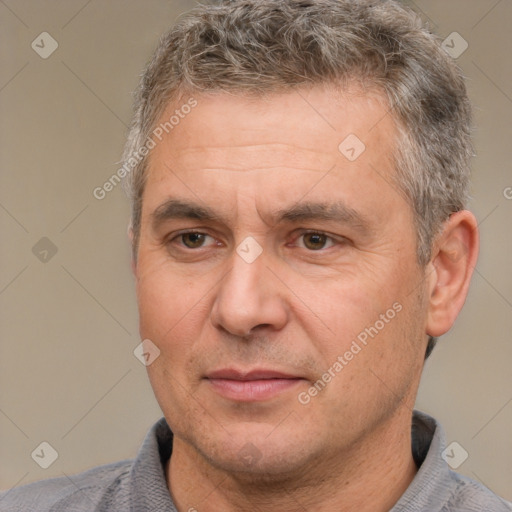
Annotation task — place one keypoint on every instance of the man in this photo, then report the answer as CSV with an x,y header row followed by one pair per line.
x,y
298,173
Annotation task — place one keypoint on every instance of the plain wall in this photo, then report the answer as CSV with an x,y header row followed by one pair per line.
x,y
68,375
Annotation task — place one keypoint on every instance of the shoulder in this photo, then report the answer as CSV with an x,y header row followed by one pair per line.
x,y
436,488
471,496
83,492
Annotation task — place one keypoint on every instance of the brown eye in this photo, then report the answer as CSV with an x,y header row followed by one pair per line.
x,y
315,241
193,240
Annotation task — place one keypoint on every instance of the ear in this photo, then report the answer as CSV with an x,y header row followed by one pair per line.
x,y
454,257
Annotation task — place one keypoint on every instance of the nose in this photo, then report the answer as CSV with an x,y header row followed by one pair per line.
x,y
249,298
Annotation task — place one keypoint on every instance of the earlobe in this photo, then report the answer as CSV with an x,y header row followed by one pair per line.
x,y
453,260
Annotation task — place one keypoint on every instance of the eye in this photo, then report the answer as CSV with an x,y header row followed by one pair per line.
x,y
193,240
315,241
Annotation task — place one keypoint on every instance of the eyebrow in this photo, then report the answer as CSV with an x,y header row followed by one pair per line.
x,y
304,211
178,209
337,211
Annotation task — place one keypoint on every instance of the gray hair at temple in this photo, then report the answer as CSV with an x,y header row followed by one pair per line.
x,y
260,47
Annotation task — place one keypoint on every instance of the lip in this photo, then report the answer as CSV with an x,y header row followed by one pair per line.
x,y
248,375
251,386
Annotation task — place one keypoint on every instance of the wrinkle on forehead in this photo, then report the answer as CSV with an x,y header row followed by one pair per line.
x,y
254,157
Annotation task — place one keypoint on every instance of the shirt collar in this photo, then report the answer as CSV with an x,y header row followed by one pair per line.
x,y
432,486
148,486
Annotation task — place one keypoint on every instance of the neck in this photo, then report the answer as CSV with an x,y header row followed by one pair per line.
x,y
369,476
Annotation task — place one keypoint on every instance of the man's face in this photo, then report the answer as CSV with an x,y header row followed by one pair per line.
x,y
265,252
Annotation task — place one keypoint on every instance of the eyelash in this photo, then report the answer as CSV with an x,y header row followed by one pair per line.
x,y
179,237
329,238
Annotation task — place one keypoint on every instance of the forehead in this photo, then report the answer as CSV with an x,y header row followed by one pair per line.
x,y
310,119
257,145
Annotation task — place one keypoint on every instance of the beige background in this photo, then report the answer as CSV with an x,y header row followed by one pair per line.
x,y
68,375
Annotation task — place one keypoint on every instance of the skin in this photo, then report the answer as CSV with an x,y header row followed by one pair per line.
x,y
296,308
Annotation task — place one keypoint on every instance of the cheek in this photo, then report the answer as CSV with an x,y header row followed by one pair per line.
x,y
173,321
337,312
172,310
370,323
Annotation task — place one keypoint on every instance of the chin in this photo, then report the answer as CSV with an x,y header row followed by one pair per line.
x,y
252,452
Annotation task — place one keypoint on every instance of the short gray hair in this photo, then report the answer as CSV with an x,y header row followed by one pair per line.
x,y
259,47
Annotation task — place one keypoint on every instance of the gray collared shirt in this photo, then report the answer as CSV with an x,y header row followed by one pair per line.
x,y
139,485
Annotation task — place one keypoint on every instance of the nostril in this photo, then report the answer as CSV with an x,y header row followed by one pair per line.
x,y
254,331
